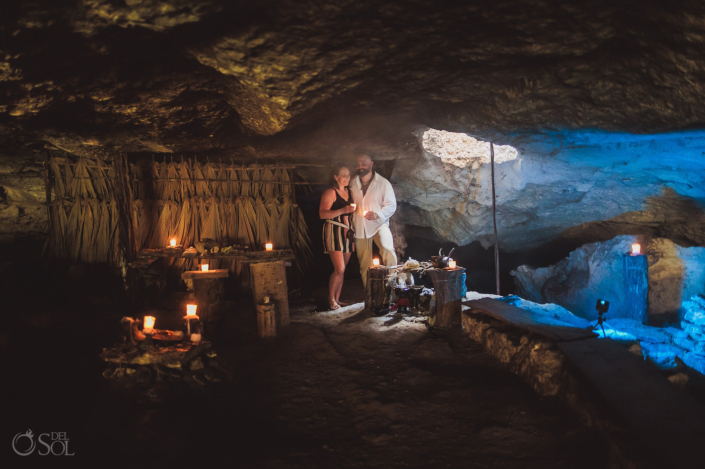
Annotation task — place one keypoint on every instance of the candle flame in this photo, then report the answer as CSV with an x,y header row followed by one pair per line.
x,y
268,247
375,261
204,267
451,263
191,310
148,322
173,242
636,249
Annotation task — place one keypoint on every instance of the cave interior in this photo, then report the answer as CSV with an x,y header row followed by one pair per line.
x,y
592,112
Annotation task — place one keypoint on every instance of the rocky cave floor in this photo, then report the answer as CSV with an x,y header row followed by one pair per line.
x,y
325,393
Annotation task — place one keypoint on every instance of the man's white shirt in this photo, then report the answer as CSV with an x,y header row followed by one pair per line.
x,y
379,198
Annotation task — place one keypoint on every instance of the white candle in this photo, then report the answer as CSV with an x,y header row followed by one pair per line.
x,y
148,325
451,263
375,261
354,206
204,267
191,310
636,249
173,243
195,338
364,212
268,247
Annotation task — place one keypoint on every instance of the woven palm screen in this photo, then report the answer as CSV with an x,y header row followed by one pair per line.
x,y
187,200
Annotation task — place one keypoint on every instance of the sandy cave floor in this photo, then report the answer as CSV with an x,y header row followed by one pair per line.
x,y
332,390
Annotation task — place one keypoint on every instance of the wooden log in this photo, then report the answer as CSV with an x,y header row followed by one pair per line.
x,y
447,284
266,320
377,292
269,279
208,292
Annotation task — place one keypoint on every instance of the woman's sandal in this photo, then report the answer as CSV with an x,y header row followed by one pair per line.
x,y
333,305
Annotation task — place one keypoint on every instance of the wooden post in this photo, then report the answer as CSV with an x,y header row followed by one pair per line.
x,y
269,279
447,284
266,320
494,222
124,201
377,292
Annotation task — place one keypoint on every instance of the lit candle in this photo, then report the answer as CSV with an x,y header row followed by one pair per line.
x,y
375,261
364,212
268,247
451,264
354,206
148,325
204,267
636,249
173,243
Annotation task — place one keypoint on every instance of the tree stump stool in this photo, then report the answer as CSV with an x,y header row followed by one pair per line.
x,y
447,283
208,290
377,292
269,279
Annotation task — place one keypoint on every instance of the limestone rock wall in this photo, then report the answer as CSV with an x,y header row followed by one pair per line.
x,y
595,271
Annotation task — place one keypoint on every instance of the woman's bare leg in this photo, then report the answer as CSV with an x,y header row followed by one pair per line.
x,y
346,259
336,278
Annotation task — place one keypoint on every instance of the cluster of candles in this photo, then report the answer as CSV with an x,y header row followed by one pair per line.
x,y
267,247
190,315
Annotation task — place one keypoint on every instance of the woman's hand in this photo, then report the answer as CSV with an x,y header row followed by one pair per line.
x,y
347,209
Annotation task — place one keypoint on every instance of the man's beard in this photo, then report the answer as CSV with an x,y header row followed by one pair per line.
x,y
363,172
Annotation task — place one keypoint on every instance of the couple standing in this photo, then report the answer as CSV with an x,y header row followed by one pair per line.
x,y
347,229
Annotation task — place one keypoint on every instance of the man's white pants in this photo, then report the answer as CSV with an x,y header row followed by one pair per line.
x,y
384,240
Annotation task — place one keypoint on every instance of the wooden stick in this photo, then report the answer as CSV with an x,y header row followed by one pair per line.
x,y
494,221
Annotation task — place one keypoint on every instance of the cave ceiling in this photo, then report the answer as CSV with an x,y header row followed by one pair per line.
x,y
303,79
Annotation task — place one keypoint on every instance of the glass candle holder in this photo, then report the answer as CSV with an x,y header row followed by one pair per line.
x,y
172,243
451,264
268,247
375,262
636,249
148,324
204,267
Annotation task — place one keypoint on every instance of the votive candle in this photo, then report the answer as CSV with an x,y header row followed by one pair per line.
x,y
375,261
354,206
451,263
204,267
268,247
636,249
148,325
191,310
172,243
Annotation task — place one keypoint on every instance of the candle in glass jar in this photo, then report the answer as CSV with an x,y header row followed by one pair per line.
x,y
451,263
204,267
148,325
268,247
375,261
636,249
191,310
354,206
364,212
173,243
195,338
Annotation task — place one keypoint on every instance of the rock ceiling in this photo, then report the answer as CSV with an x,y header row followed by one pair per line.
x,y
314,80
301,78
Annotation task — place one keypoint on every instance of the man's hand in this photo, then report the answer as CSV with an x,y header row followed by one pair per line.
x,y
371,215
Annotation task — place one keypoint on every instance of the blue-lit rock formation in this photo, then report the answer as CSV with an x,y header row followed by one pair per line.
x,y
596,271
589,186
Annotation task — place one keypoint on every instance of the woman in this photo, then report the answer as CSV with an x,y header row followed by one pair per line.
x,y
338,235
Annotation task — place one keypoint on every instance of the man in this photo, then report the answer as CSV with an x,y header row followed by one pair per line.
x,y
376,204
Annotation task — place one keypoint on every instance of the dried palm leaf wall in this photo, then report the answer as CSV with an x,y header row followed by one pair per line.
x,y
233,204
82,213
187,200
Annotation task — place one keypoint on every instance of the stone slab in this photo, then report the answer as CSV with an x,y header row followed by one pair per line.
x,y
669,419
518,317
